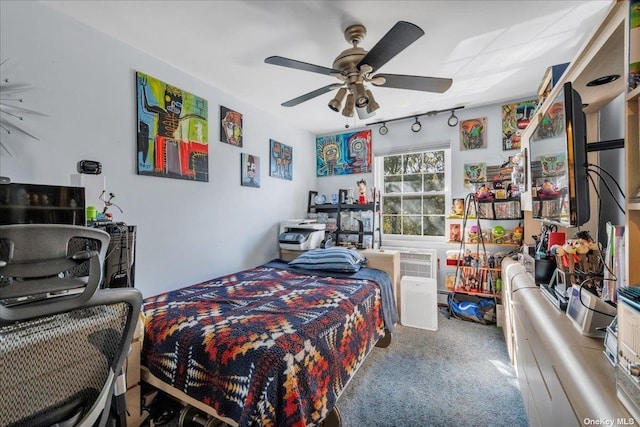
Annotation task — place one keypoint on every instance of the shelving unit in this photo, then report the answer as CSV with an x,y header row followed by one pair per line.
x,y
341,224
41,204
477,271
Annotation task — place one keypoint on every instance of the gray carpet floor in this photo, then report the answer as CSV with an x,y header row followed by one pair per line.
x,y
459,375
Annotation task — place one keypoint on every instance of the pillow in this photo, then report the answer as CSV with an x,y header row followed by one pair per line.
x,y
331,259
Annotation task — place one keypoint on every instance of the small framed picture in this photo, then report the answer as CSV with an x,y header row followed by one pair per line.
x,y
249,170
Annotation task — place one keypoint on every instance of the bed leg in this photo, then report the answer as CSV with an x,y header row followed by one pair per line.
x,y
333,419
385,341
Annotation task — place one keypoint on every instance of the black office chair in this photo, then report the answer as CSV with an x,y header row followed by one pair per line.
x,y
62,339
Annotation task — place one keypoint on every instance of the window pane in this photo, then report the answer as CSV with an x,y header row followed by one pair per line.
x,y
392,184
392,165
434,182
412,205
434,205
412,184
412,225
391,224
434,226
391,205
434,161
412,163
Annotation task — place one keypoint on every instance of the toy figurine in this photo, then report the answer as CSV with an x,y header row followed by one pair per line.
x,y
362,189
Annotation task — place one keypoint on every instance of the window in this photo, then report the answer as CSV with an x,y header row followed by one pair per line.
x,y
414,193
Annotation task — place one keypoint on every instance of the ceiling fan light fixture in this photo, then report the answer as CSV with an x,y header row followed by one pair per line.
x,y
383,130
349,106
372,105
453,120
416,126
361,99
336,103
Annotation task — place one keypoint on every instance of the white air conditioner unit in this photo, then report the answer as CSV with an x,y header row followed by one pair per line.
x,y
418,262
419,302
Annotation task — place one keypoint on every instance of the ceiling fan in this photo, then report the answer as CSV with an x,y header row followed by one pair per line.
x,y
355,67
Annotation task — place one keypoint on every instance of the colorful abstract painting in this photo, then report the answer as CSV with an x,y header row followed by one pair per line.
x,y
473,134
280,160
515,119
475,173
344,154
230,126
249,170
172,131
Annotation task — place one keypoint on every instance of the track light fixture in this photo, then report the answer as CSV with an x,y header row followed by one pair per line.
x,y
453,120
416,126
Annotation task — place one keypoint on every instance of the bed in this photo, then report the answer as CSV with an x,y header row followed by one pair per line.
x,y
270,345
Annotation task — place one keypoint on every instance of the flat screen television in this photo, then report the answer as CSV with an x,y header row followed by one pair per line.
x,y
558,151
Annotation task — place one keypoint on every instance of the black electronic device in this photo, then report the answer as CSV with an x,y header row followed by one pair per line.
x,y
558,150
90,167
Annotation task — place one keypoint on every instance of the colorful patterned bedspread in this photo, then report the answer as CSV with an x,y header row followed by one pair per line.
x,y
265,346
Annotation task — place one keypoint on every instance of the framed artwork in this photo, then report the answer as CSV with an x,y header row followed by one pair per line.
x,y
249,170
344,154
230,127
172,135
455,234
515,119
473,134
474,173
280,160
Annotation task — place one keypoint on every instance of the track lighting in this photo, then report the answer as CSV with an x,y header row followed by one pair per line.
x,y
453,120
416,126
347,111
336,103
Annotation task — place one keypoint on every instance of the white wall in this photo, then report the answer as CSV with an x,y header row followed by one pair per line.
x,y
85,82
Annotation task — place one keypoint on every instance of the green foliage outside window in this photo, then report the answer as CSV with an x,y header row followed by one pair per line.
x,y
413,199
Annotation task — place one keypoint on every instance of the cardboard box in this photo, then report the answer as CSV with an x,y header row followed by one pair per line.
x,y
132,364
132,398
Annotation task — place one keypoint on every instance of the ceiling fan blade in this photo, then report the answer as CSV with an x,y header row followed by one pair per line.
x,y
307,96
426,84
398,38
299,65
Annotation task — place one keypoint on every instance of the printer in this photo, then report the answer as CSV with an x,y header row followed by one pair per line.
x,y
301,234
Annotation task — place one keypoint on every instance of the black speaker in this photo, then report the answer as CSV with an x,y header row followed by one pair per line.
x,y
89,167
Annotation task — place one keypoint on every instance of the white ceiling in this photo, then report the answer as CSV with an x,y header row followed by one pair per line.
x,y
494,51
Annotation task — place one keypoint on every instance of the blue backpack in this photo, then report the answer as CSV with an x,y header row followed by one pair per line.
x,y
472,307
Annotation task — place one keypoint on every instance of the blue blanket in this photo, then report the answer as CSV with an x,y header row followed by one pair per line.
x,y
389,309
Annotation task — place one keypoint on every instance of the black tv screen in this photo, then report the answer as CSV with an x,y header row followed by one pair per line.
x,y
558,148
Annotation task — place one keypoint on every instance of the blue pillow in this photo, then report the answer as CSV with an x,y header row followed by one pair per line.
x,y
331,259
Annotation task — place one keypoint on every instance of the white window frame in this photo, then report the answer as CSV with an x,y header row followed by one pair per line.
x,y
378,171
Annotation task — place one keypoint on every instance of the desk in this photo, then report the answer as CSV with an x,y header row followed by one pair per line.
x,y
565,377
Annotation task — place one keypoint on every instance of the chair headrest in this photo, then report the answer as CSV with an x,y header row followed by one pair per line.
x,y
42,265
